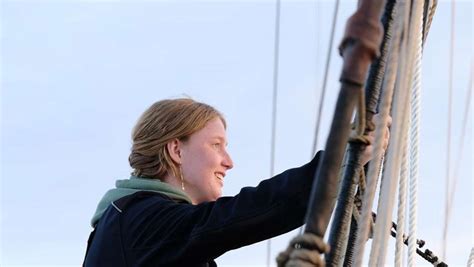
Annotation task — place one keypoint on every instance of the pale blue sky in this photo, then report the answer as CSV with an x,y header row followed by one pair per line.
x,y
77,74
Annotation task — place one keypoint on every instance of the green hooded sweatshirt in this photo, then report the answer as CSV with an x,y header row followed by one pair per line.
x,y
134,184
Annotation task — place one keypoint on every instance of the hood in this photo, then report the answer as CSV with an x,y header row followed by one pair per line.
x,y
134,184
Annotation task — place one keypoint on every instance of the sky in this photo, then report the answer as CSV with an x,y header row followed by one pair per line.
x,y
76,75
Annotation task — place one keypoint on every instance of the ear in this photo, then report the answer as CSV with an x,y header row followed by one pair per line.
x,y
174,150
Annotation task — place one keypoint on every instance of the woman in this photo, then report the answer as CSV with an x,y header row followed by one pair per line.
x,y
171,213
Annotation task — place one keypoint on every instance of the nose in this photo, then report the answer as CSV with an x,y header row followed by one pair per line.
x,y
227,162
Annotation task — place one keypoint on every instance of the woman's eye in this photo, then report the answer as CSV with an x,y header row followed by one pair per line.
x,y
216,145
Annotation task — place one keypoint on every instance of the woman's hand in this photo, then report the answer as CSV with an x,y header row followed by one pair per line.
x,y
368,154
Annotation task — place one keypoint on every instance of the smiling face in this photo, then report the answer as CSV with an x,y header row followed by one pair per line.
x,y
205,161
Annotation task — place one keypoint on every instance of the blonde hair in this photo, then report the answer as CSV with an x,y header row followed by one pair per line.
x,y
162,122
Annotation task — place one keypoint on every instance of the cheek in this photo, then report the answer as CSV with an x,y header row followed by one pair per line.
x,y
198,170
210,159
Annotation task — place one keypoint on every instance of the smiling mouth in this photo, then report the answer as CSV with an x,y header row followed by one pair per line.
x,y
220,176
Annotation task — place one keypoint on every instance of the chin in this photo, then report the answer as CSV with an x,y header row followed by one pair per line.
x,y
212,196
216,197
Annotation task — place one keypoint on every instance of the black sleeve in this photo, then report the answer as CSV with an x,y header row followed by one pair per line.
x,y
185,233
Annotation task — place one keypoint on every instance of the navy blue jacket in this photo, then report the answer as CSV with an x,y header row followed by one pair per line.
x,y
151,229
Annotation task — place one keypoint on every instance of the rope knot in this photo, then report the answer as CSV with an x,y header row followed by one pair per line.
x,y
362,138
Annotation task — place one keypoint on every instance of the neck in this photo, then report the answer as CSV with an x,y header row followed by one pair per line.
x,y
175,182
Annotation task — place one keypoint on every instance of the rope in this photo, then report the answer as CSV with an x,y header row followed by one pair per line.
x,y
372,98
416,46
400,97
349,175
403,186
274,105
402,196
349,257
448,138
362,233
428,15
374,170
387,193
404,82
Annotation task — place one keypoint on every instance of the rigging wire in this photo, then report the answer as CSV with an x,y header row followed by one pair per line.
x,y
274,105
325,77
448,139
460,150
316,60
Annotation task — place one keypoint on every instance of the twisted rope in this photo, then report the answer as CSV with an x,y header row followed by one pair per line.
x,y
416,46
349,257
403,83
376,163
402,196
366,214
429,14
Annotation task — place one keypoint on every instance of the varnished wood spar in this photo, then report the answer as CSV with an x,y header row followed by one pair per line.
x,y
359,48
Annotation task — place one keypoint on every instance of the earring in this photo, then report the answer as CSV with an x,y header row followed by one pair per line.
x,y
182,178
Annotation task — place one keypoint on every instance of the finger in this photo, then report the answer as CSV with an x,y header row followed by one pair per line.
x,y
370,138
283,257
369,150
298,263
378,116
387,138
310,241
370,133
366,154
389,121
306,256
